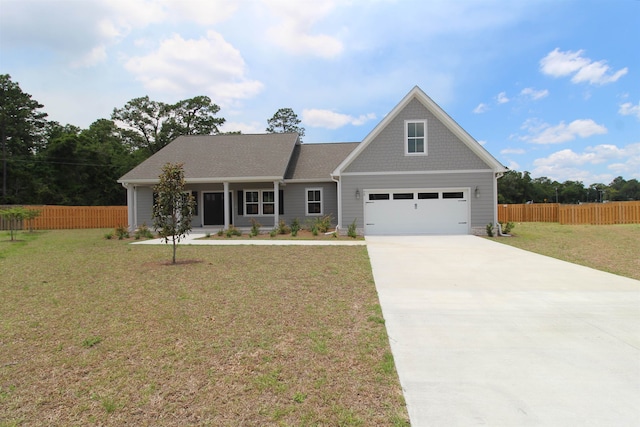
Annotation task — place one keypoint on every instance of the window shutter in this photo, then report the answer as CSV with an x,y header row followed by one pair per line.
x,y
240,202
281,201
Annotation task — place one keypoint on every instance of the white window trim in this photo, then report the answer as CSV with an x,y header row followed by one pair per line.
x,y
260,202
307,201
406,138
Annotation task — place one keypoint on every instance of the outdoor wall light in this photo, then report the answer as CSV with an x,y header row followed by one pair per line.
x,y
357,194
477,192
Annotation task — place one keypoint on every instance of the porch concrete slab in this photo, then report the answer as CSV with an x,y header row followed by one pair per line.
x,y
486,334
198,239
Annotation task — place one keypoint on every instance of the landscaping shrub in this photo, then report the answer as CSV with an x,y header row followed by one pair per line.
x,y
295,227
351,230
255,228
122,232
143,232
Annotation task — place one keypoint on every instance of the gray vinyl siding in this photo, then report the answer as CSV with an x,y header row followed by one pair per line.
x,y
144,205
294,203
482,208
386,152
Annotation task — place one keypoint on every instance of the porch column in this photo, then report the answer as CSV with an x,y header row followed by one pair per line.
x,y
226,197
131,206
276,202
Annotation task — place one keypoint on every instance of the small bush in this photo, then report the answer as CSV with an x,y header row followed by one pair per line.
x,y
255,228
122,232
233,231
507,227
273,232
314,230
295,227
489,229
220,233
322,223
143,232
351,230
282,227
108,236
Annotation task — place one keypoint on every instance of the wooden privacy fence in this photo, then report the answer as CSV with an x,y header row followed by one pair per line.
x,y
587,213
67,217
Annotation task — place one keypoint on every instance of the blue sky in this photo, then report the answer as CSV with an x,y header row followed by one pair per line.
x,y
550,87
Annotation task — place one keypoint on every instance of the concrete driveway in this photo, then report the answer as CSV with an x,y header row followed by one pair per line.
x,y
486,334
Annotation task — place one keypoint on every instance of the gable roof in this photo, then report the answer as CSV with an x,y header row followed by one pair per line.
x,y
440,114
218,158
314,162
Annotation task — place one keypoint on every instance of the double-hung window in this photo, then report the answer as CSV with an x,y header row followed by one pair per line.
x,y
268,203
415,137
259,202
252,202
314,201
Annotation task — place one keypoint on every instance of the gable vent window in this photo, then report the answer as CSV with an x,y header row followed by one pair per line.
x,y
416,137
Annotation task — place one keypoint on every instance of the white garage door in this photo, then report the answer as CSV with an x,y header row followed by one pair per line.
x,y
416,212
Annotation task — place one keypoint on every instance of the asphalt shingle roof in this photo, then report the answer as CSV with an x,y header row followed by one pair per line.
x,y
317,161
216,157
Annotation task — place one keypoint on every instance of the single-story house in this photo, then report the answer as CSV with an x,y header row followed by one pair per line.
x,y
417,172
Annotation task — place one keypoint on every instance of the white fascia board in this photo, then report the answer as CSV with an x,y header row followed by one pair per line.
x,y
307,180
429,172
233,179
207,180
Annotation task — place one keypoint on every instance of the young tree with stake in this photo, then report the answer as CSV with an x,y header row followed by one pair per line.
x,y
173,206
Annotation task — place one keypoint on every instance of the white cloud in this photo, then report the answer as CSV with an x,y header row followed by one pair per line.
x,y
569,165
246,128
562,64
481,108
97,55
293,33
332,120
513,151
502,98
207,65
628,109
543,133
534,94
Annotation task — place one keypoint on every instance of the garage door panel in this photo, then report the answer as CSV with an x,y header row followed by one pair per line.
x,y
426,215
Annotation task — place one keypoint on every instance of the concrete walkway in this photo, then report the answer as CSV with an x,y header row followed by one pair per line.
x,y
193,239
486,334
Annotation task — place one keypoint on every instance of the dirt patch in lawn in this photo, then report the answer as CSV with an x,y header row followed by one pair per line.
x,y
101,332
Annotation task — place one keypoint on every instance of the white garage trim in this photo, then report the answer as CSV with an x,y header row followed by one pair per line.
x,y
417,211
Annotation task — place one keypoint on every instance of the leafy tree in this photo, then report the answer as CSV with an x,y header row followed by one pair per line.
x,y
572,192
143,120
285,120
193,116
14,216
21,135
150,125
173,207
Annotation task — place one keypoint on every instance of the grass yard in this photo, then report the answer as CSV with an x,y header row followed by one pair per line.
x,y
612,248
101,332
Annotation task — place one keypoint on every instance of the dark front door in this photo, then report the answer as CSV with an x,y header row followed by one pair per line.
x,y
213,208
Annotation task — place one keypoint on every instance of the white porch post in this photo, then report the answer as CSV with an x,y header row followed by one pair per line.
x,y
276,202
226,198
131,206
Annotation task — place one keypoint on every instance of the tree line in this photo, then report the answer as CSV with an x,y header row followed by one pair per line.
x,y
517,187
45,162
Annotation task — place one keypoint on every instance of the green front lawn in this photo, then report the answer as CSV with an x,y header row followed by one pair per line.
x,y
612,248
96,331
